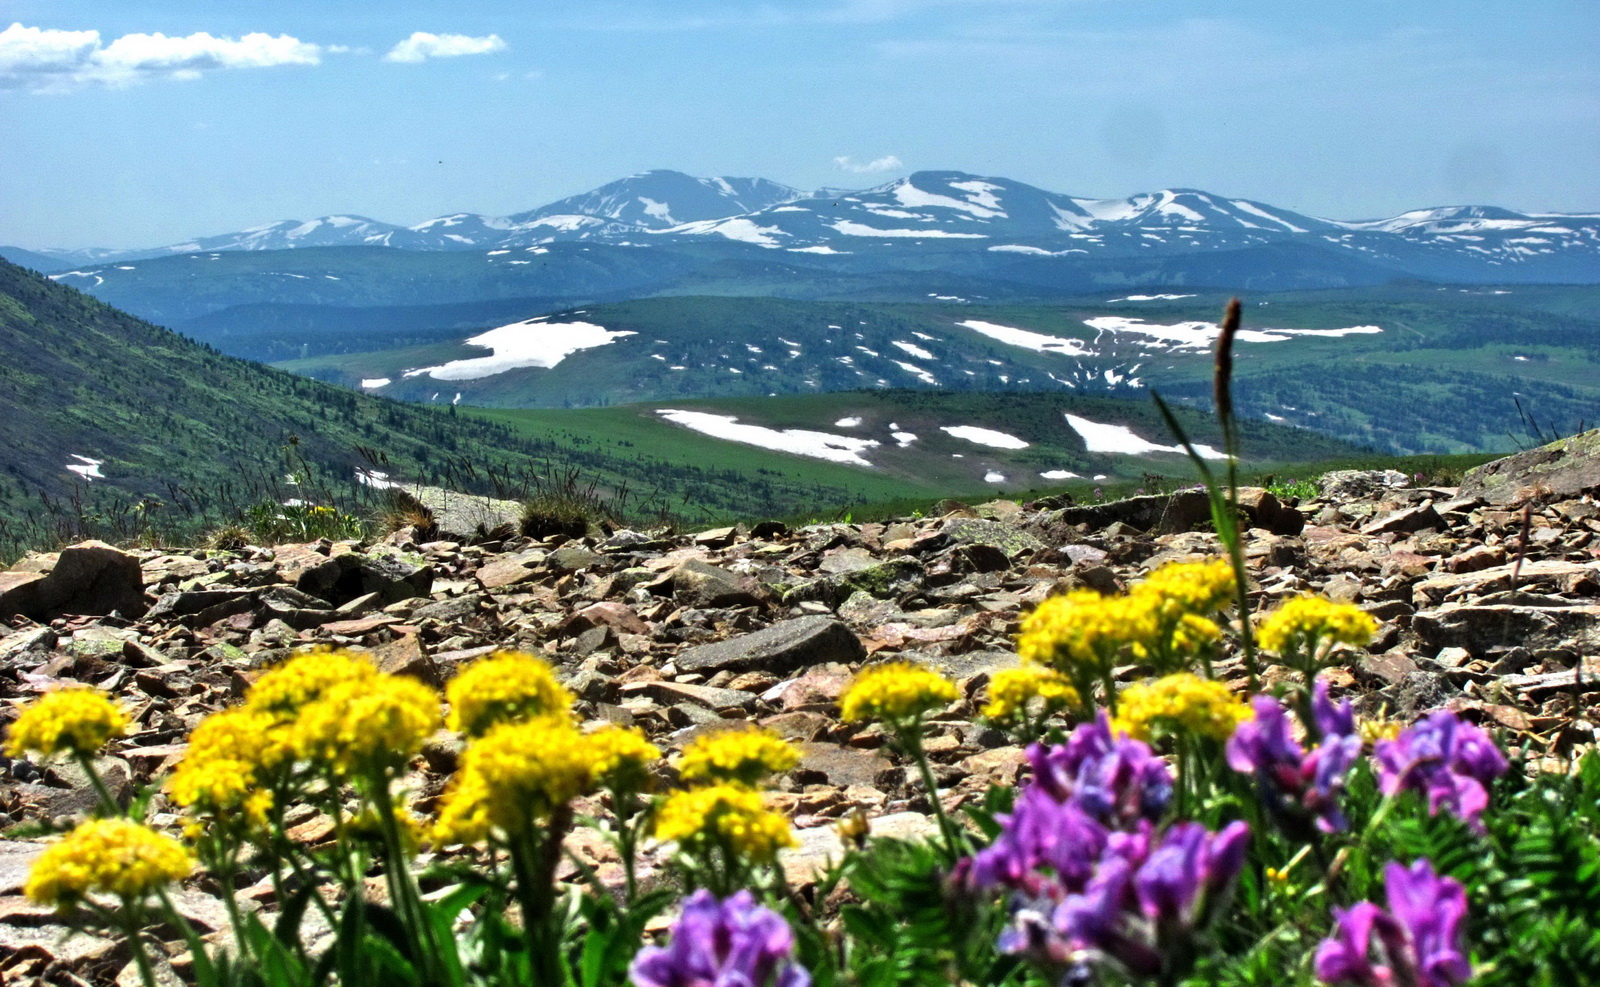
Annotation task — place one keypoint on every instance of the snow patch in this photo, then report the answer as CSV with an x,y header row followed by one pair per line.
x,y
1098,437
87,468
799,441
368,383
850,228
913,349
903,439
850,422
1036,341
523,344
994,477
1147,298
1060,475
984,436
1200,335
917,372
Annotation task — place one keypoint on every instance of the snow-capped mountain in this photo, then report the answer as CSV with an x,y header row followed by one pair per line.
x,y
945,211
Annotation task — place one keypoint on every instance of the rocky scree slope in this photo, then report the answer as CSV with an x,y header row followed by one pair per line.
x,y
1485,607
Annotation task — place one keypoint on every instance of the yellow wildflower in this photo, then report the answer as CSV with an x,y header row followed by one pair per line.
x,y
362,725
730,816
76,719
517,774
621,756
744,756
1081,632
117,856
226,769
1012,689
897,692
504,687
1373,731
1302,623
300,681
1200,588
1180,703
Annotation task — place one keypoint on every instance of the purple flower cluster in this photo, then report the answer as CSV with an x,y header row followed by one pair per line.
x,y
1061,823
1420,936
1294,783
1452,762
1080,853
1116,780
1138,897
729,943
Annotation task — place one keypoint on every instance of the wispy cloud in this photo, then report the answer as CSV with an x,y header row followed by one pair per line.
x,y
422,46
50,60
888,162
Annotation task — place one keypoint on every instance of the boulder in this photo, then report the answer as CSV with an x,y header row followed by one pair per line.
x,y
1564,468
90,578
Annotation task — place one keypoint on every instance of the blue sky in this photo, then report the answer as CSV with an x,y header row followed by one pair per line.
x,y
291,110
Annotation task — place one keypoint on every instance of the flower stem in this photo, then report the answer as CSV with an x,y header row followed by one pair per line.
x,y
107,804
911,740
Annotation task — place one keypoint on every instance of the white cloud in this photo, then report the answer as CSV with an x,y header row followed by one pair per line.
x,y
50,60
422,46
886,163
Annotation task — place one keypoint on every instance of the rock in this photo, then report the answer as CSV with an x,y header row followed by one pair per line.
x,y
509,570
1476,559
820,846
468,517
783,647
705,586
1564,468
404,656
88,578
831,764
1008,538
1480,628
1155,513
1410,519
1356,484
672,693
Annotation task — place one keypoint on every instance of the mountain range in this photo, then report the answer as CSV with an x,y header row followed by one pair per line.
x,y
942,212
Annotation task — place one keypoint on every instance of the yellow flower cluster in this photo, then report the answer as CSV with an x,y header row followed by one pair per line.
x,y
519,773
1301,624
741,756
77,719
896,692
1180,703
224,771
1011,690
116,856
1083,631
300,681
1199,588
730,816
622,756
357,727
504,687
1165,619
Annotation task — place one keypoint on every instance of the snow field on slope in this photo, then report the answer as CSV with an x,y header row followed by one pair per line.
x,y
523,344
984,436
799,441
1099,437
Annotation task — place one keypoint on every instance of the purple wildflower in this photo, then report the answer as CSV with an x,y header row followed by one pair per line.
x,y
1451,761
1117,780
1189,861
729,943
1339,720
1294,783
1041,833
1420,935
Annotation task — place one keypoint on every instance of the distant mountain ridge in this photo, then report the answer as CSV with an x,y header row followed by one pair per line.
x,y
947,210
